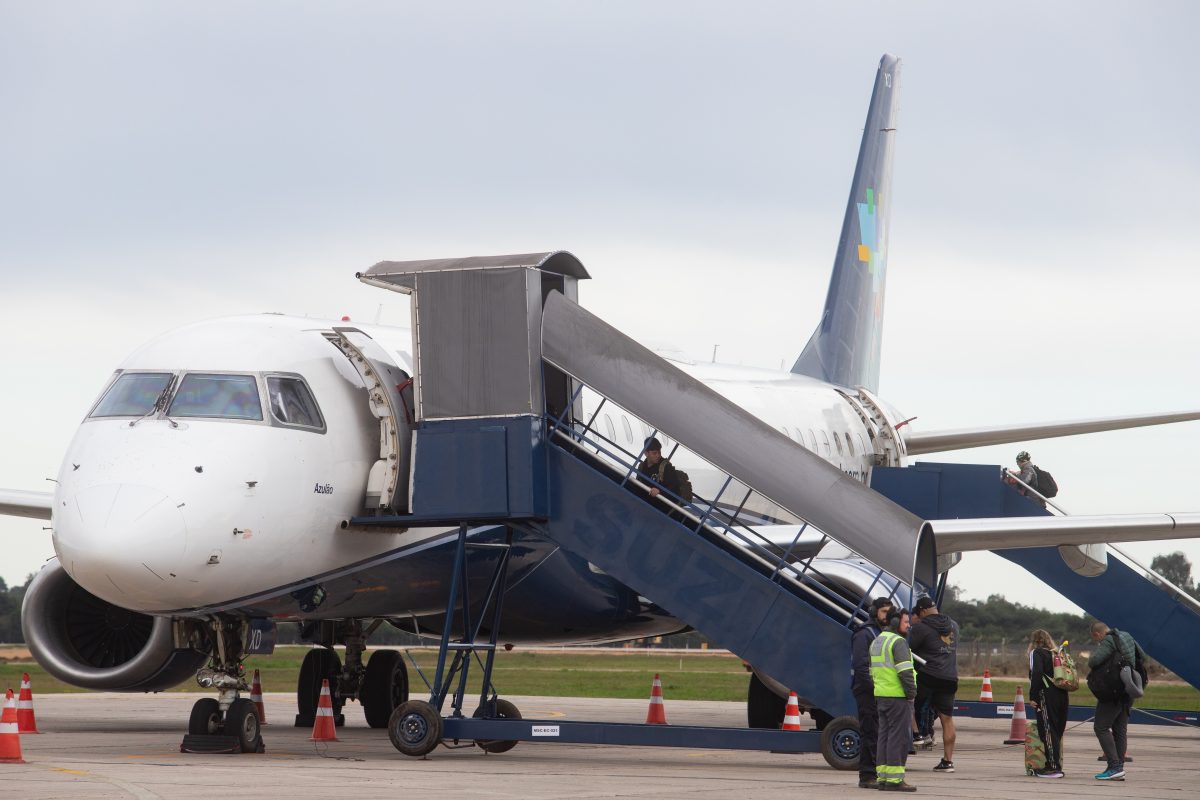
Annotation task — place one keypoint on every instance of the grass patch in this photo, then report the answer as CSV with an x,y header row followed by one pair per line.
x,y
619,674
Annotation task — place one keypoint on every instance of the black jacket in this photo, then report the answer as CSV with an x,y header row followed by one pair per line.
x,y
860,657
670,476
935,639
1041,675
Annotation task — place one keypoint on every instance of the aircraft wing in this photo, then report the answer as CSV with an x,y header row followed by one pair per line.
x,y
1001,533
16,503
964,438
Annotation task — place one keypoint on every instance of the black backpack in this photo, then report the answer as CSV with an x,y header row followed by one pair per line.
x,y
1105,680
1045,483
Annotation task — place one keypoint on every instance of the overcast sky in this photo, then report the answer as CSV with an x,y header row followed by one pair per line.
x,y
162,163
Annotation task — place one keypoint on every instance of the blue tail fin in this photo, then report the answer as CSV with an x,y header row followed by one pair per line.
x,y
844,349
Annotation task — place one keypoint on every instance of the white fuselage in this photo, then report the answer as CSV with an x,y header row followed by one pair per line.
x,y
163,512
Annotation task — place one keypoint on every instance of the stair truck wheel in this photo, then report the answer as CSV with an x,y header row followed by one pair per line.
x,y
206,717
841,742
241,720
385,686
318,663
415,728
504,710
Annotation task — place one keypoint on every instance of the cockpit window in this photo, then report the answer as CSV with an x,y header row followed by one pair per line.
x,y
292,403
220,396
133,394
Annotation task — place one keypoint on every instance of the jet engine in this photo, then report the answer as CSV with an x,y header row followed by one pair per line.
x,y
88,642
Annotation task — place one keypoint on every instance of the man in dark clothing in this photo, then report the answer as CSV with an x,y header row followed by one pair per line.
x,y
658,469
1112,709
934,638
864,690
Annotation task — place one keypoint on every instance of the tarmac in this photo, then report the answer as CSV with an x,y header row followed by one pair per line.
x,y
106,745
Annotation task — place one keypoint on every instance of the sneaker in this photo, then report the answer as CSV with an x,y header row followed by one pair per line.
x,y
944,766
1048,773
1111,775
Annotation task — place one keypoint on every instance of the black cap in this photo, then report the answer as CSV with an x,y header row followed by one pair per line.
x,y
924,603
653,444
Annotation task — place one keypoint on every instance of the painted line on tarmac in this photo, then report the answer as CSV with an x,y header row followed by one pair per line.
x,y
133,789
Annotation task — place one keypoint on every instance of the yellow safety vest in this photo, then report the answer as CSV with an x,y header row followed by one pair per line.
x,y
885,672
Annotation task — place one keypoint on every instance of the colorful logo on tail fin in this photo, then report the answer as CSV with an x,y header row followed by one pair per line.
x,y
869,253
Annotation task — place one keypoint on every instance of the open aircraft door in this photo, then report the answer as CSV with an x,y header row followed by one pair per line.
x,y
390,395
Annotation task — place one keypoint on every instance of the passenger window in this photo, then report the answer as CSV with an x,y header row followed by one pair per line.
x,y
861,443
825,441
132,395
217,396
612,432
786,432
812,440
628,430
292,403
849,444
837,443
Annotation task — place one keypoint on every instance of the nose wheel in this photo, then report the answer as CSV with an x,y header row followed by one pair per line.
x,y
236,730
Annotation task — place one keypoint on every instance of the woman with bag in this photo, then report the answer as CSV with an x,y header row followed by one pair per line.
x,y
1050,703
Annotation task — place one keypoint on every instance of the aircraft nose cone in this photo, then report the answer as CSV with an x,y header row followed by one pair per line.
x,y
120,541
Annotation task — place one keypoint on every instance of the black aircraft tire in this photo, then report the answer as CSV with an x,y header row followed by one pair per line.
x,y
206,717
384,688
241,720
764,708
841,743
504,710
318,663
415,728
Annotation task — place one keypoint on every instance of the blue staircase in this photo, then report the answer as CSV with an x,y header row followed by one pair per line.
x,y
736,602
1122,596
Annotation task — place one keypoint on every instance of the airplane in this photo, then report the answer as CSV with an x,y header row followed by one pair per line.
x,y
207,494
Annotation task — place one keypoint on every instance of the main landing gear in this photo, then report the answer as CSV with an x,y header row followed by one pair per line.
x,y
228,724
380,685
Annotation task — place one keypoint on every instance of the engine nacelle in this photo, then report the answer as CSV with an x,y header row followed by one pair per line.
x,y
88,642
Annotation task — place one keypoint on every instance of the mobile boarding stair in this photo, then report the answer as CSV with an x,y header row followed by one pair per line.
x,y
1104,580
503,356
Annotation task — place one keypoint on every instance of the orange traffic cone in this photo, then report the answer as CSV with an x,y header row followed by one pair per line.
x,y
1016,734
985,691
256,698
10,740
25,720
791,716
323,729
657,714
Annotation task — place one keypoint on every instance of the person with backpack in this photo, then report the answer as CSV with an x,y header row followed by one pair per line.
x,y
1116,653
1049,700
1029,474
660,470
864,689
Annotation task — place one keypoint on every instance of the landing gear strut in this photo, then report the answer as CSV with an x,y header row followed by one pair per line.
x,y
228,724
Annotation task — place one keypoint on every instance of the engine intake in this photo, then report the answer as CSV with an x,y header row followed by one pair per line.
x,y
88,642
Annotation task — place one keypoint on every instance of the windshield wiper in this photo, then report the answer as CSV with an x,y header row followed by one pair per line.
x,y
160,403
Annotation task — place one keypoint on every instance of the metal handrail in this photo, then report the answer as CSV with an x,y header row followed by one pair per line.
x,y
706,515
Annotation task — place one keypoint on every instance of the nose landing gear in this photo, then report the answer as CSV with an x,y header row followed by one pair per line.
x,y
230,723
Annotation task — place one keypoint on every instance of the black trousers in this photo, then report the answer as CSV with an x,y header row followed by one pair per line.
x,y
868,731
1111,725
1052,723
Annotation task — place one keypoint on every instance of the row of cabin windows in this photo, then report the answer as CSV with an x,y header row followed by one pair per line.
x,y
811,443
795,434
